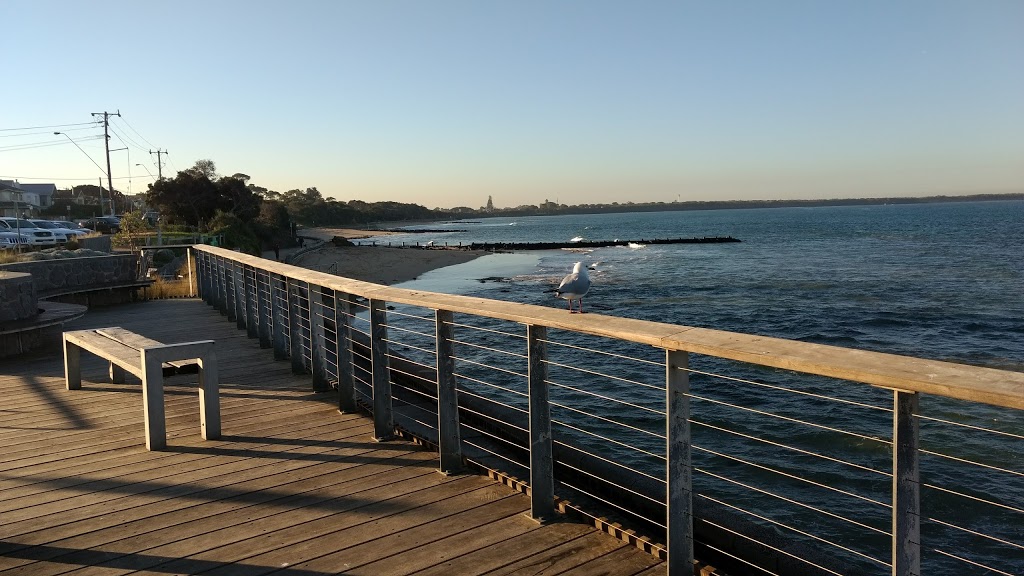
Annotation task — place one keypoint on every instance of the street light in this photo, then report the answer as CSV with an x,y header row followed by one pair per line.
x,y
102,171
147,171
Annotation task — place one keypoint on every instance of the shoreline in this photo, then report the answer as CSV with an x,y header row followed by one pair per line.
x,y
376,264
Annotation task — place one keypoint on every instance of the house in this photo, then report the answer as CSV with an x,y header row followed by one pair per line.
x,y
16,201
45,193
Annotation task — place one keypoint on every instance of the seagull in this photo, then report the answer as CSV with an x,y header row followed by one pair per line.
x,y
574,286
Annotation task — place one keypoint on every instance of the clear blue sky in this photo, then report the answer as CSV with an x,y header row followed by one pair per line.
x,y
445,102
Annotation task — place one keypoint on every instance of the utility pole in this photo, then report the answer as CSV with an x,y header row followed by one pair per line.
x,y
159,164
106,140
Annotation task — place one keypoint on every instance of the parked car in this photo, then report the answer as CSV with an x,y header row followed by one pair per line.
x,y
105,224
59,233
69,228
36,236
11,240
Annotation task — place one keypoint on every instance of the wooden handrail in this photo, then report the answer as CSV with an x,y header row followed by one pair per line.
x,y
905,373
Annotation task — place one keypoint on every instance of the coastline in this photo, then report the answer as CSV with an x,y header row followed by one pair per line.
x,y
376,264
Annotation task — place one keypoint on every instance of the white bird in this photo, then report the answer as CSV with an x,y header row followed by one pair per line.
x,y
574,286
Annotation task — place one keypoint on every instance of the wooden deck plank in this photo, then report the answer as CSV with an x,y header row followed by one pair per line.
x,y
493,556
291,482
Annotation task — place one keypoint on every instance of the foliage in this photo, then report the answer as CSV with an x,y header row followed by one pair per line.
x,y
133,224
236,233
195,195
273,226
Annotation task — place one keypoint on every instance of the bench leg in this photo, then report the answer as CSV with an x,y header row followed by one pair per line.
x,y
153,401
116,374
72,365
209,397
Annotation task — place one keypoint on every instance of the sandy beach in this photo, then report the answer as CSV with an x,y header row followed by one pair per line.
x,y
375,264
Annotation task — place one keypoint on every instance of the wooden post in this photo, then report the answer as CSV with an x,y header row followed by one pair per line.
x,y
191,284
383,417
449,437
209,396
279,311
906,486
679,488
153,401
542,468
343,325
317,340
263,310
72,365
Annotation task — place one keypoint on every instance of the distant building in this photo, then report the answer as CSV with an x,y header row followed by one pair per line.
x,y
45,193
16,201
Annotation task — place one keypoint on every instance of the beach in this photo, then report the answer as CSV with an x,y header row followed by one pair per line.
x,y
376,264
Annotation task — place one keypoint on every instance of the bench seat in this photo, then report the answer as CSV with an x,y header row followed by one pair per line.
x,y
149,360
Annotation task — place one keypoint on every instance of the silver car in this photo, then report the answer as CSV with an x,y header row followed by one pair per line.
x,y
71,227
36,236
59,233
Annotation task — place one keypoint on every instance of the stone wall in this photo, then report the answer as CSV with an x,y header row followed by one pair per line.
x,y
17,297
74,274
100,243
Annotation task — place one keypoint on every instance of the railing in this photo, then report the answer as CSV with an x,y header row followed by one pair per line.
x,y
761,455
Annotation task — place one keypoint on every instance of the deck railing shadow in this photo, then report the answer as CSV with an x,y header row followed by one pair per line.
x,y
750,452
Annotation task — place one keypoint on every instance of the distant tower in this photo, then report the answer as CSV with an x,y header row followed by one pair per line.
x,y
490,204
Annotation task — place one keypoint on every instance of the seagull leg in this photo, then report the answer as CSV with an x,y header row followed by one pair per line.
x,y
581,305
569,300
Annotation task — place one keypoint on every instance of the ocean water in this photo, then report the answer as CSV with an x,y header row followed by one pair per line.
x,y
940,281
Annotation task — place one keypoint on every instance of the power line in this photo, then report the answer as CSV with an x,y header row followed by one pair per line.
x,y
86,178
130,127
30,145
43,132
127,141
41,127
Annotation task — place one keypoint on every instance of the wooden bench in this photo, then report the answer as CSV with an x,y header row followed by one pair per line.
x,y
148,359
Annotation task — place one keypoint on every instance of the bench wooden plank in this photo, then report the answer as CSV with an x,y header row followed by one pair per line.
x,y
117,353
127,337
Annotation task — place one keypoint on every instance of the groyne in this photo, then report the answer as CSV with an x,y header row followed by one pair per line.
x,y
508,246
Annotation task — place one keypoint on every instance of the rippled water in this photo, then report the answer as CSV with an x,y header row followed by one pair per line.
x,y
940,281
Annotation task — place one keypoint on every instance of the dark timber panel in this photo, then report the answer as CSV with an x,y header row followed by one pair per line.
x,y
293,487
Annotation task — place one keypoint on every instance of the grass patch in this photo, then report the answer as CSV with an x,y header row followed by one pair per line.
x,y
172,288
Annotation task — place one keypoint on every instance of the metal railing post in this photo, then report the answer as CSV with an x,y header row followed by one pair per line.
x,y
906,486
449,438
343,326
218,281
279,311
317,339
238,279
542,469
679,487
230,297
251,312
264,305
295,327
383,416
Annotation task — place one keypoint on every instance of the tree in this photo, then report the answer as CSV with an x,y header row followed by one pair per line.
x,y
193,197
190,198
204,168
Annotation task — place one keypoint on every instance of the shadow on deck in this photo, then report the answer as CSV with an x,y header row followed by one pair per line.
x,y
293,487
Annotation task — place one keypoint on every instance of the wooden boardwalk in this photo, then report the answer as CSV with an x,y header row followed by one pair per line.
x,y
292,488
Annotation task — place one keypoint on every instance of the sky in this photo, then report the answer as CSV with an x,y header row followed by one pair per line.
x,y
446,102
